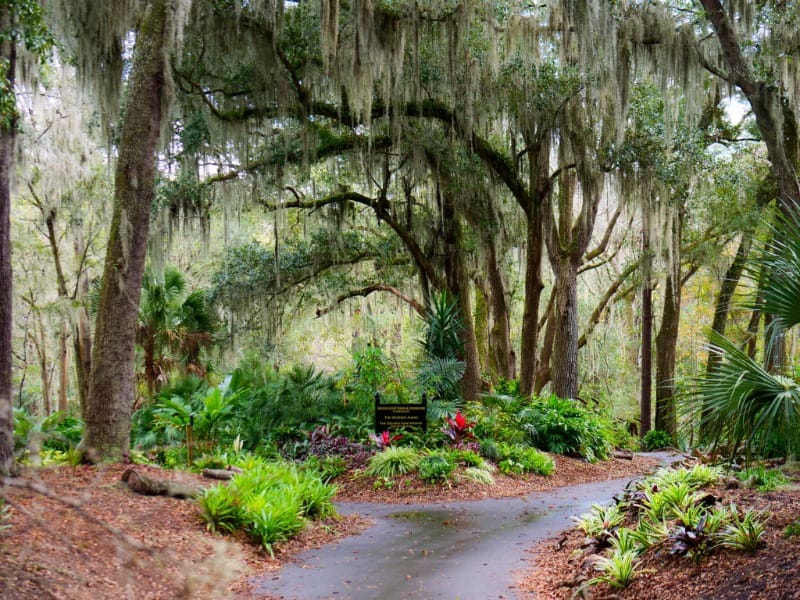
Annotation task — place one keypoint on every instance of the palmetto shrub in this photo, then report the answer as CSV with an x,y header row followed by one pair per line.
x,y
741,402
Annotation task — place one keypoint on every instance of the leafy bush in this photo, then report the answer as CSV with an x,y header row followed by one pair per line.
x,y
328,467
459,430
58,431
324,444
517,459
480,475
656,439
564,427
763,479
281,406
393,461
436,467
269,501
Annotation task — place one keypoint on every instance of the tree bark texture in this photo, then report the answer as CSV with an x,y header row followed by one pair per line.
x,y
565,342
112,386
502,353
459,285
7,135
666,342
645,400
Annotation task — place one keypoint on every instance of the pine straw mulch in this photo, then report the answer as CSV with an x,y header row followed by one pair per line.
x,y
771,573
107,542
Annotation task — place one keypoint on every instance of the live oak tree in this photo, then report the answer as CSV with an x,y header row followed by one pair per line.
x,y
24,40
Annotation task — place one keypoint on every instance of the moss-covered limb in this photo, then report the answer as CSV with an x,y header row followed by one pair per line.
x,y
370,289
409,241
765,100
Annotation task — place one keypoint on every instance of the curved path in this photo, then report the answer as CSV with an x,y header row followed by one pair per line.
x,y
458,550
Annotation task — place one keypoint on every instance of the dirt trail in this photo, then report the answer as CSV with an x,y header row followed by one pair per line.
x,y
459,550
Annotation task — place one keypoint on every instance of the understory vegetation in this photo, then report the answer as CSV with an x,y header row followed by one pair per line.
x,y
672,512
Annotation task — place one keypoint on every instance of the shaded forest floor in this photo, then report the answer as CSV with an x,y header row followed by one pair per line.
x,y
107,542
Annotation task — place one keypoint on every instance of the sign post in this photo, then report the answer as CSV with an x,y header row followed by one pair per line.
x,y
389,417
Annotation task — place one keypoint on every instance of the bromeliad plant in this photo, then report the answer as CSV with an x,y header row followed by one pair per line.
x,y
459,430
384,440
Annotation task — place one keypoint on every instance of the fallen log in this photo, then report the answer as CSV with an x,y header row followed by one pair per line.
x,y
147,486
624,454
224,474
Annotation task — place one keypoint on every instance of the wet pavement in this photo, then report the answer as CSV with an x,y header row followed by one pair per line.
x,y
458,550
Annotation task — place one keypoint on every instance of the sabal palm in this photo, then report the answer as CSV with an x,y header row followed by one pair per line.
x,y
169,320
743,402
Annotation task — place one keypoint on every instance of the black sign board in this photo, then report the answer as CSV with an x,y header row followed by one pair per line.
x,y
389,417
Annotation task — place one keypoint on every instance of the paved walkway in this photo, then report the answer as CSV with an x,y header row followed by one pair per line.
x,y
454,551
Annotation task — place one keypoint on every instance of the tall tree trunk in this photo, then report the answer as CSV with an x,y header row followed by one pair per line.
x,y
666,342
40,342
667,337
8,126
500,335
645,400
112,385
564,364
82,330
63,366
482,325
533,293
726,289
458,283
728,286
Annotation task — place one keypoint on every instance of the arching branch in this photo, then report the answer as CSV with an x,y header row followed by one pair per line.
x,y
366,291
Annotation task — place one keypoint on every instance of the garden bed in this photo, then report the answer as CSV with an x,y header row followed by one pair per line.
x,y
53,551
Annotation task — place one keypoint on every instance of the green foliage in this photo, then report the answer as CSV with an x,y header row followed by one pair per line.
x,y
393,461
174,327
618,569
269,501
517,459
436,467
656,439
220,509
30,31
188,400
746,403
440,377
479,475
744,533
763,479
328,467
443,326
743,402
792,529
564,427
601,521
695,477
626,540
282,406
57,432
